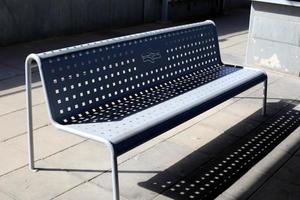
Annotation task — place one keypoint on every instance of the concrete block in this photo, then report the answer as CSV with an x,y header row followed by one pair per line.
x,y
274,36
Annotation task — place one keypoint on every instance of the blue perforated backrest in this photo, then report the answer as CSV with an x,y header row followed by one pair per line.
x,y
82,78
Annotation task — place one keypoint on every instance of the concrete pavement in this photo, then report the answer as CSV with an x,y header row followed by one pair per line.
x,y
214,155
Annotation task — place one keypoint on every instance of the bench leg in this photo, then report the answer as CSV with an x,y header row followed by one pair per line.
x,y
265,91
114,174
29,115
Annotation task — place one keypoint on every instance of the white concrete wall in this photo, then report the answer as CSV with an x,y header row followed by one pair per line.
x,y
274,37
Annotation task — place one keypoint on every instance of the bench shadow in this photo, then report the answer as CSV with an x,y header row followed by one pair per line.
x,y
198,177
208,178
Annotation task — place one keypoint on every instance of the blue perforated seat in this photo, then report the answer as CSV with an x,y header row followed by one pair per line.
x,y
145,123
125,91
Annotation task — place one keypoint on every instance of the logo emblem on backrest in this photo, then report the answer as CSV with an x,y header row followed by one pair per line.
x,y
151,56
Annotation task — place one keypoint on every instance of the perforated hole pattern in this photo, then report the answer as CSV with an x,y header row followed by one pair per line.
x,y
208,181
110,82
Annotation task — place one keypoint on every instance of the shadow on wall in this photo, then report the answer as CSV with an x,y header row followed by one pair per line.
x,y
208,180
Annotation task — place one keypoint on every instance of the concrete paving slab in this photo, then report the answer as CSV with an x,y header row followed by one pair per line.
x,y
17,101
47,140
15,123
162,197
155,141
87,191
85,160
224,197
237,40
203,138
225,121
11,158
5,197
251,108
196,136
285,88
297,153
229,58
144,167
213,110
272,162
221,121
248,92
289,173
245,107
246,185
292,143
24,184
277,190
273,75
234,55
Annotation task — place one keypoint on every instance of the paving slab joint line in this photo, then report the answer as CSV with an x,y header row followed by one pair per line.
x,y
43,158
235,44
222,37
275,171
35,85
9,195
21,109
24,133
60,194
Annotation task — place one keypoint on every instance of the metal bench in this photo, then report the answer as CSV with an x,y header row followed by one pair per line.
x,y
125,91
